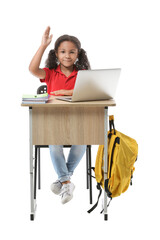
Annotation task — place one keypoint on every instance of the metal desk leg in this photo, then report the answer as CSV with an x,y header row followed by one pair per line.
x,y
33,201
90,177
87,161
39,169
105,159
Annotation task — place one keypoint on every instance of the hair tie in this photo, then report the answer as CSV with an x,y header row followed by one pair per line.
x,y
52,51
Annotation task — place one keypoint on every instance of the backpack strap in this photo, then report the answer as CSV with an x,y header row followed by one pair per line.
x,y
111,124
109,194
107,205
100,192
92,168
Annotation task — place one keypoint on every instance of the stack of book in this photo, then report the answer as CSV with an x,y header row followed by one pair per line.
x,y
35,99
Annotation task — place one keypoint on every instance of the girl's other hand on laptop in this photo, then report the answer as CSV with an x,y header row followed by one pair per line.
x,y
62,92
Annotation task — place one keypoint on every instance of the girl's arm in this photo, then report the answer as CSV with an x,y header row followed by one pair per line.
x,y
63,92
36,60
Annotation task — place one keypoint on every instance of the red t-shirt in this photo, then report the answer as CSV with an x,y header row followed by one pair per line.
x,y
56,80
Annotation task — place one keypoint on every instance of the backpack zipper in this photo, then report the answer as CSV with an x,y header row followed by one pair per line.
x,y
117,140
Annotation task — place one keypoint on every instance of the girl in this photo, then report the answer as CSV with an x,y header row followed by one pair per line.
x,y
59,74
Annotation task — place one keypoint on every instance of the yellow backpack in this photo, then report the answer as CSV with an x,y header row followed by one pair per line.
x,y
122,154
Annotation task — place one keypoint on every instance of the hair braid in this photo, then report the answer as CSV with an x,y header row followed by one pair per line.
x,y
82,62
52,61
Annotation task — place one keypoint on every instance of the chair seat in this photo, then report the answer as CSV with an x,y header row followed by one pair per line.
x,y
88,169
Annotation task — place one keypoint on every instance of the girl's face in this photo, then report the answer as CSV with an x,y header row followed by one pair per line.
x,y
67,54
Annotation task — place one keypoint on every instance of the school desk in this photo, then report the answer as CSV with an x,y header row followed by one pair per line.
x,y
65,123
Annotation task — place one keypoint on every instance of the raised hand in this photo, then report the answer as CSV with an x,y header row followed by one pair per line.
x,y
46,38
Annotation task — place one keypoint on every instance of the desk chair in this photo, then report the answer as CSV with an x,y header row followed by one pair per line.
x,y
43,89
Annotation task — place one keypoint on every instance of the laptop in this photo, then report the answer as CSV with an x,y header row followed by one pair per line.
x,y
93,85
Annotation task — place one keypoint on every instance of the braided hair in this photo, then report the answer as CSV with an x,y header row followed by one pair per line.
x,y
82,61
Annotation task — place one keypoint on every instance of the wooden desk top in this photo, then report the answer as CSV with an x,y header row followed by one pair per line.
x,y
53,102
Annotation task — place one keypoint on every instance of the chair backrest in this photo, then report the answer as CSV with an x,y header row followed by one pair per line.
x,y
42,89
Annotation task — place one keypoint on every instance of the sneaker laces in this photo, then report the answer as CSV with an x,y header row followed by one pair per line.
x,y
57,181
65,189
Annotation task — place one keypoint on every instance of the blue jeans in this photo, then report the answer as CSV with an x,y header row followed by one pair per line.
x,y
65,169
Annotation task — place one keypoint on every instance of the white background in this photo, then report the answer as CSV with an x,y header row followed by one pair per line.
x,y
117,33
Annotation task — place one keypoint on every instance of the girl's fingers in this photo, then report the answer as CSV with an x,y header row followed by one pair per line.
x,y
51,36
47,31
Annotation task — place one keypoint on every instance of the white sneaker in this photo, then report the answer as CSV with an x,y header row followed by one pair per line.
x,y
56,187
67,192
